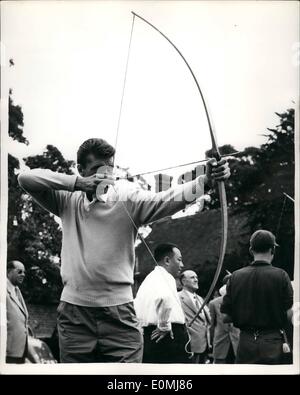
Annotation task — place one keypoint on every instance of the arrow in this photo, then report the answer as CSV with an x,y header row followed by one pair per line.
x,y
289,197
174,167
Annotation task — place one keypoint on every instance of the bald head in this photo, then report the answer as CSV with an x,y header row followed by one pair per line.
x,y
189,280
15,272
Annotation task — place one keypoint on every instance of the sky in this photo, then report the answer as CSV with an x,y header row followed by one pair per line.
x,y
70,60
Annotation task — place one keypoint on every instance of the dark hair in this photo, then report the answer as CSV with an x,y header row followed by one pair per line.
x,y
262,241
99,147
10,266
163,250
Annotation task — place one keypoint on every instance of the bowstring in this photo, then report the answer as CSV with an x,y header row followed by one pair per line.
x,y
124,85
117,136
116,142
125,208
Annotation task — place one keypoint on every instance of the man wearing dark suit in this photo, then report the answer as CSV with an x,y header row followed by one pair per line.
x,y
191,302
17,315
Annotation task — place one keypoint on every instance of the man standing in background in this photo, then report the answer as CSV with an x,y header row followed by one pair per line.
x,y
159,310
225,336
191,303
257,300
17,315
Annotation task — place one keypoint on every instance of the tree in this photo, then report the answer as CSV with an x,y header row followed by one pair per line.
x,y
271,210
38,236
33,235
15,131
51,159
255,198
259,178
16,121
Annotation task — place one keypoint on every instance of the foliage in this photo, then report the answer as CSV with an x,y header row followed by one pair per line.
x,y
33,235
16,121
36,240
51,159
259,176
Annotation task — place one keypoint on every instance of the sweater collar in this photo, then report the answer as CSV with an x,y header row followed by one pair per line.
x,y
260,263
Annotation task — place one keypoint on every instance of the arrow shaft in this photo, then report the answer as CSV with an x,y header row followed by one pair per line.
x,y
177,166
289,197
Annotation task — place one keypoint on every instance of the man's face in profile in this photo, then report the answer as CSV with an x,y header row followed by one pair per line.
x,y
17,274
190,280
175,263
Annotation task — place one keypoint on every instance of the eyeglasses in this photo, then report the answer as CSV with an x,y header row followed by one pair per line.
x,y
21,271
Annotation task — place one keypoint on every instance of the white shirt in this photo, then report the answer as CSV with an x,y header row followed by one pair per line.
x,y
222,290
101,198
157,301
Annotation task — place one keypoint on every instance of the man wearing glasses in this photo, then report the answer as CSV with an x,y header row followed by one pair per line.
x,y
17,315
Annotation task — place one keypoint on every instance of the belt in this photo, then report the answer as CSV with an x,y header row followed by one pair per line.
x,y
260,330
155,325
256,332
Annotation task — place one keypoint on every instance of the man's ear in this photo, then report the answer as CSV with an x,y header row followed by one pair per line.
x,y
251,251
80,170
167,260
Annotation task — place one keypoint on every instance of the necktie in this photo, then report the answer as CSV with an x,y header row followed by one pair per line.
x,y
18,294
197,304
196,301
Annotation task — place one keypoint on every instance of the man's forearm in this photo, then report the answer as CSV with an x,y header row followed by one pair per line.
x,y
187,192
79,184
148,207
42,185
38,180
163,310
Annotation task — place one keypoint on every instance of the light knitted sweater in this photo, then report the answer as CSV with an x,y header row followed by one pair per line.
x,y
97,256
